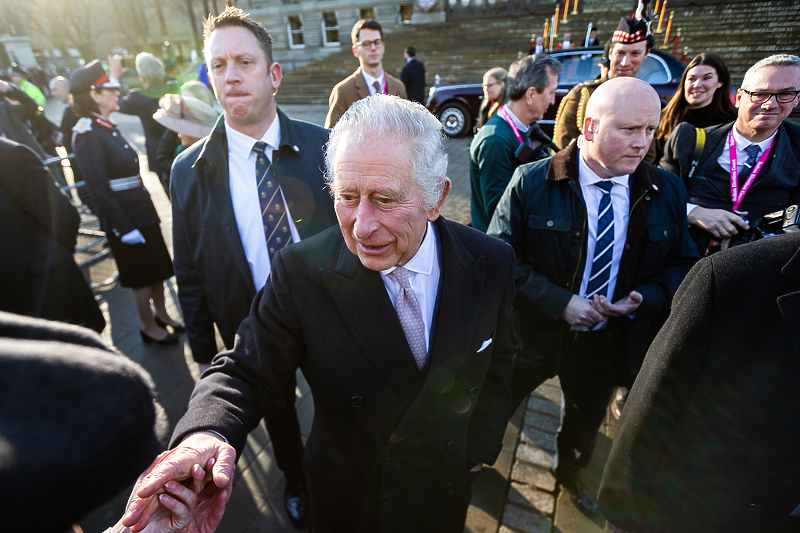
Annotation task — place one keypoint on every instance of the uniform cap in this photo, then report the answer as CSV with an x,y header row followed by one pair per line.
x,y
91,76
630,31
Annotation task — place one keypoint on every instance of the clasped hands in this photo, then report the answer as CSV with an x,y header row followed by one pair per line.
x,y
584,312
185,489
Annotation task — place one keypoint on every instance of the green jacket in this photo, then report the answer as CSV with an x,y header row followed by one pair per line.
x,y
34,92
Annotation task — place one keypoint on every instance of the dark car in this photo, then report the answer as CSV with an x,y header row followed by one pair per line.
x,y
456,105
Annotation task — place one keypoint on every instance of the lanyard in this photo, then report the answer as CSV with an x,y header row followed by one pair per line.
x,y
507,118
736,195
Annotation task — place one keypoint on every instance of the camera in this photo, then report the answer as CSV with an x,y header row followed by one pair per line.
x,y
783,221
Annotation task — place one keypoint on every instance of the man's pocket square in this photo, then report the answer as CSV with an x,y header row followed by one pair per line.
x,y
484,345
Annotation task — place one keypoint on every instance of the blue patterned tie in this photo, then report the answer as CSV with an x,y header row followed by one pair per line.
x,y
604,243
273,210
752,152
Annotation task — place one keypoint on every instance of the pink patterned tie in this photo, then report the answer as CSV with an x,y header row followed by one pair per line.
x,y
410,316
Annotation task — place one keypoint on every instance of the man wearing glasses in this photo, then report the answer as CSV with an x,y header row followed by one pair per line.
x,y
369,79
746,169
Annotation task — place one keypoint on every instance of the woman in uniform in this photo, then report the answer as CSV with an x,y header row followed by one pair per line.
x,y
110,167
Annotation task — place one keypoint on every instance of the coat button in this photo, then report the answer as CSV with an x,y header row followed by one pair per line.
x,y
228,229
358,401
577,233
627,246
666,233
448,446
113,133
296,149
449,488
126,146
550,223
385,455
471,392
756,508
385,499
646,197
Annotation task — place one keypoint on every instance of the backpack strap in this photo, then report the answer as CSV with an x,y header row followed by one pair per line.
x,y
699,144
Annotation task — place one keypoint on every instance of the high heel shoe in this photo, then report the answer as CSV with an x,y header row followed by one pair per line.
x,y
162,324
169,339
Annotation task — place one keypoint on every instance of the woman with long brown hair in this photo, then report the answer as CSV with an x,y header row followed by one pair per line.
x,y
703,98
494,94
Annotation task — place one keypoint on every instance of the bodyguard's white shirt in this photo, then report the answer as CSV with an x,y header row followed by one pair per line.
x,y
244,194
424,272
724,159
620,200
370,80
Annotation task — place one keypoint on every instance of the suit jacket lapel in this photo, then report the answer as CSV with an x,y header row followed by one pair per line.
x,y
461,287
361,84
364,305
214,157
789,304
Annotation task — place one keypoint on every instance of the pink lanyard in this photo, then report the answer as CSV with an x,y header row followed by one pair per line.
x,y
508,119
736,195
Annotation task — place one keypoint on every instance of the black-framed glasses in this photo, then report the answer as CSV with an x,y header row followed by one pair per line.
x,y
368,44
783,97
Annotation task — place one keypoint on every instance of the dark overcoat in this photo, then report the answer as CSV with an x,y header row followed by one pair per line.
x,y
390,447
215,285
38,275
413,77
708,440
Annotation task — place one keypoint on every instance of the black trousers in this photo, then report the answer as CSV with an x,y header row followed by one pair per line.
x,y
586,386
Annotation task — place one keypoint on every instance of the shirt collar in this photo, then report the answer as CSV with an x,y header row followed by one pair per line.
x,y
370,80
588,177
242,145
520,126
742,142
422,262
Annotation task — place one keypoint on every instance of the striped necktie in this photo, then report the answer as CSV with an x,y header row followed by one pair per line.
x,y
273,210
604,243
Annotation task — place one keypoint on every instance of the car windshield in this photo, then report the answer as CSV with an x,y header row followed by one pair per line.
x,y
582,67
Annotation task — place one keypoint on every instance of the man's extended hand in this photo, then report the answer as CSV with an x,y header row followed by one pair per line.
x,y
181,508
204,449
581,312
622,307
115,68
718,222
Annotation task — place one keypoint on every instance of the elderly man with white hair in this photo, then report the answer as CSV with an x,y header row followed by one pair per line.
x,y
400,322
601,245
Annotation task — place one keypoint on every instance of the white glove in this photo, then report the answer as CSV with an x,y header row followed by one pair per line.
x,y
134,237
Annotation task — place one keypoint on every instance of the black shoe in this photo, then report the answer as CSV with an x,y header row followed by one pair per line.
x,y
162,324
295,499
619,402
582,499
169,339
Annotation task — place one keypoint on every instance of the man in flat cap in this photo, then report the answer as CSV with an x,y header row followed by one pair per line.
x,y
630,45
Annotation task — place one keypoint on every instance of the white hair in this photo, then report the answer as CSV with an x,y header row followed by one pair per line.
x,y
60,80
150,68
775,61
378,117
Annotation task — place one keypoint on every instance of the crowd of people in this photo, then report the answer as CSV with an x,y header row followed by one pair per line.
x,y
323,249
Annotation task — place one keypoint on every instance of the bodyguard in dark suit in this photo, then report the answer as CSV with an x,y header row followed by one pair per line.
x,y
38,274
228,222
591,226
413,76
407,346
708,438
764,148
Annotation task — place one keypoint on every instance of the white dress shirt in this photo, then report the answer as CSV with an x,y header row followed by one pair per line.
x,y
724,159
370,81
244,195
620,201
424,272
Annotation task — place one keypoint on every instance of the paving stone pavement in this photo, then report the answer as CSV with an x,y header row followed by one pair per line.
x,y
516,495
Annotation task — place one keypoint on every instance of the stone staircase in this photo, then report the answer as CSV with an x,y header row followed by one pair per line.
x,y
461,51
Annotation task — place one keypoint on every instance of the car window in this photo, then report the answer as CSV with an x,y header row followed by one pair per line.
x,y
578,68
653,72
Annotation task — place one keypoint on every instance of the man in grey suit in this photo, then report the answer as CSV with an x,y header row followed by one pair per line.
x,y
222,254
407,348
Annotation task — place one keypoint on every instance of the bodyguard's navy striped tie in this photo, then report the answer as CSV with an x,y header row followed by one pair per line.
x,y
604,243
273,210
